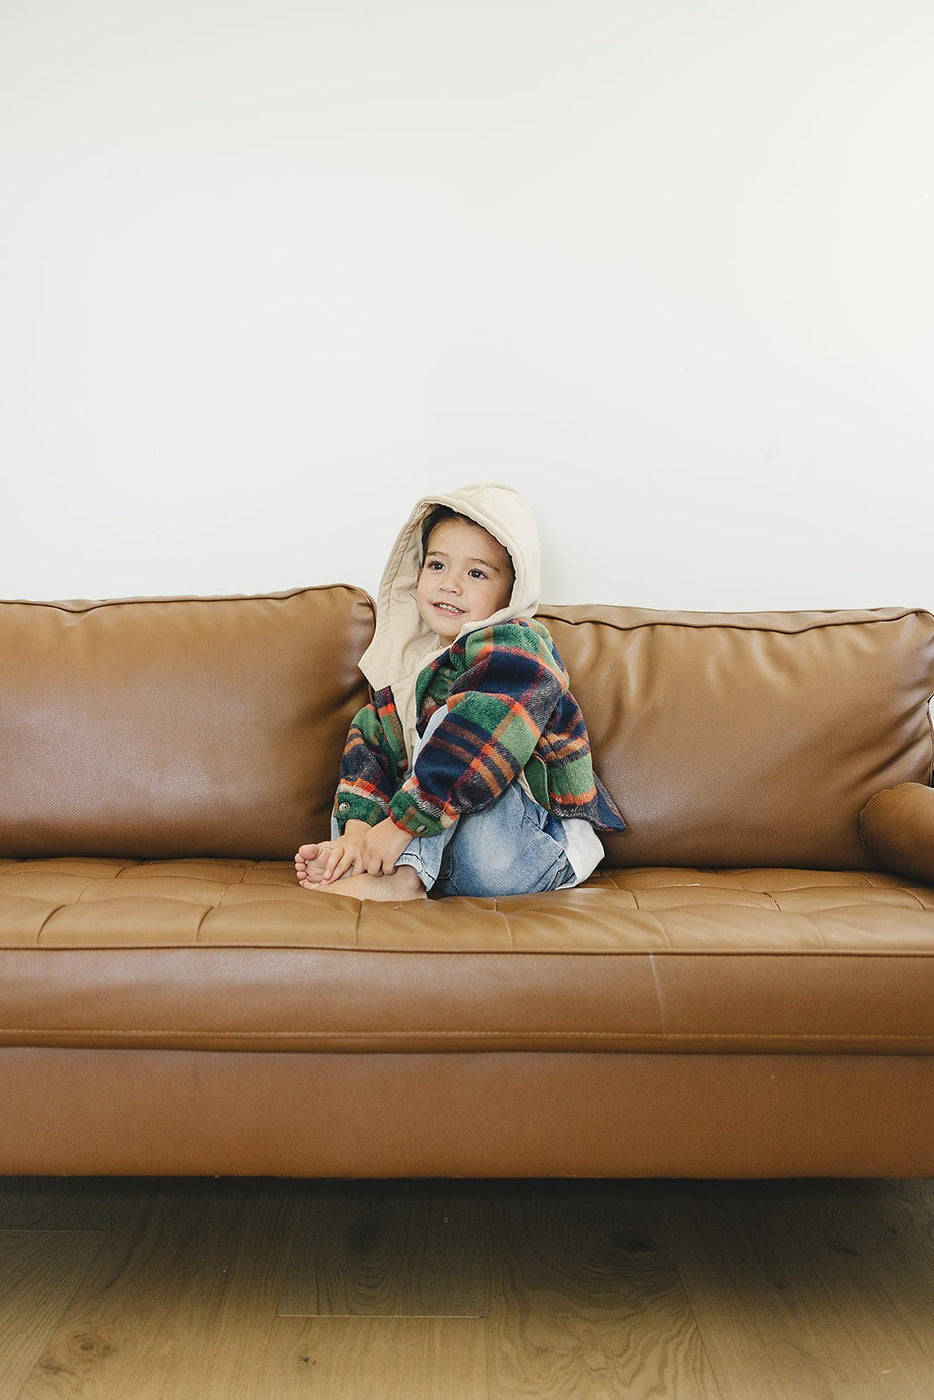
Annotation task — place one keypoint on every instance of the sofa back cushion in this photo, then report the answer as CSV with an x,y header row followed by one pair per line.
x,y
749,739
173,727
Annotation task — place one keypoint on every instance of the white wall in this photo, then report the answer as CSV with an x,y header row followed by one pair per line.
x,y
273,268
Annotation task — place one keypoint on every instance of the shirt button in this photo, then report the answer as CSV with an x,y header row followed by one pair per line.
x,y
419,831
344,807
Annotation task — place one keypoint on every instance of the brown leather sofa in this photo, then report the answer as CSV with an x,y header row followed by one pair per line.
x,y
745,987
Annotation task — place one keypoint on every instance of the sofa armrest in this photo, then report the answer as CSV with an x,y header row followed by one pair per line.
x,y
897,829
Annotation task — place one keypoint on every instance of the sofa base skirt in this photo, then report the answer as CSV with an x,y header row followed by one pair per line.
x,y
180,1113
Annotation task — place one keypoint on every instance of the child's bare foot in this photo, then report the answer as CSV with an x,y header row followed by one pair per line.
x,y
310,861
403,883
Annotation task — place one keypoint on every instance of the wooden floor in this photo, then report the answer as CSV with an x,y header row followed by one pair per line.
x,y
464,1290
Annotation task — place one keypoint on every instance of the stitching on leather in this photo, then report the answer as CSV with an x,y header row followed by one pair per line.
x,y
785,954
41,929
477,1035
658,995
88,605
84,890
666,620
911,895
809,918
207,911
500,914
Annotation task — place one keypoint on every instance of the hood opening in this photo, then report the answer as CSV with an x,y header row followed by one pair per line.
x,y
403,643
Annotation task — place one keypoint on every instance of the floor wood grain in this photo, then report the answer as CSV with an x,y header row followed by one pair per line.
x,y
586,1300
40,1271
375,1358
785,1300
180,1302
466,1290
69,1203
397,1249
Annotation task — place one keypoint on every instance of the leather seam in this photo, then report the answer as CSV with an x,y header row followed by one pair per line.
x,y
548,613
473,1035
826,951
81,606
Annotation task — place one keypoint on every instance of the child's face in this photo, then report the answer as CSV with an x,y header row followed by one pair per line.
x,y
466,576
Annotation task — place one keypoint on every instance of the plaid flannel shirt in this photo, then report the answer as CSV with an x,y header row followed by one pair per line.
x,y
509,711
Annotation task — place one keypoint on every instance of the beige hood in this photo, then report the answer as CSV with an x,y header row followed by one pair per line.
x,y
403,644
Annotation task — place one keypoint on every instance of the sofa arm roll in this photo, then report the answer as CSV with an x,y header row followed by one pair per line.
x,y
897,829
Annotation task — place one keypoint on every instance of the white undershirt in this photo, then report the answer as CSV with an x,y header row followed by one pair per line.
x,y
584,850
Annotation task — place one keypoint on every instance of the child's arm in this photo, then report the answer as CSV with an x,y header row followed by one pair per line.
x,y
512,682
382,846
372,766
370,774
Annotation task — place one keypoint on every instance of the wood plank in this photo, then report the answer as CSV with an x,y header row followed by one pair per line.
x,y
804,1290
39,1273
373,1358
180,1300
586,1302
891,1224
787,1307
906,1206
68,1203
387,1249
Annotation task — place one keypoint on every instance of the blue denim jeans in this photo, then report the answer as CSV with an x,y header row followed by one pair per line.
x,y
513,847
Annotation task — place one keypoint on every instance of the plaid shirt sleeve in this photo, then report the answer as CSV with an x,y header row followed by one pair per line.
x,y
372,765
496,711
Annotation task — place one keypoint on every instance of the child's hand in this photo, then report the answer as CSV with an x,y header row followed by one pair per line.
x,y
342,856
323,862
382,846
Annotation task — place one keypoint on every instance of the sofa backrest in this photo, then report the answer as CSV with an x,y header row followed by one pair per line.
x,y
747,739
173,727
181,727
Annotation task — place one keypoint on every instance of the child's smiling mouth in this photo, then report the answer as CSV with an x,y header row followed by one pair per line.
x,y
448,608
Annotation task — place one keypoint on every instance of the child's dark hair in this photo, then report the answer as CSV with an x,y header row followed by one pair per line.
x,y
437,517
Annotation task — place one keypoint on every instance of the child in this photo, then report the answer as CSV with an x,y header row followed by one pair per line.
x,y
470,771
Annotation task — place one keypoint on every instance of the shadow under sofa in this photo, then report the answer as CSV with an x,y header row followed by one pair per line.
x,y
745,987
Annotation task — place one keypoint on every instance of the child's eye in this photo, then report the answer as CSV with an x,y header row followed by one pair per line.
x,y
434,564
477,573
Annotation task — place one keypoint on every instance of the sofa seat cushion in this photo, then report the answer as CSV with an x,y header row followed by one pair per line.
x,y
234,955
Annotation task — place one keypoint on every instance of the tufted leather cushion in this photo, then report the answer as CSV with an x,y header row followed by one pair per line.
x,y
235,956
176,726
750,738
